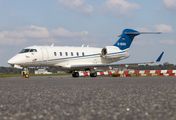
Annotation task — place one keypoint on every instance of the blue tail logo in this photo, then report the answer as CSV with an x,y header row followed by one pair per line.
x,y
126,39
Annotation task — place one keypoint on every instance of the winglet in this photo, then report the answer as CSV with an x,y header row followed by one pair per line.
x,y
159,58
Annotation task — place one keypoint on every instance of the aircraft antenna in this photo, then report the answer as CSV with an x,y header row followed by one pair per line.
x,y
52,45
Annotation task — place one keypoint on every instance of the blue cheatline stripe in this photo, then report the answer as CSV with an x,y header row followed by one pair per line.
x,y
74,57
77,57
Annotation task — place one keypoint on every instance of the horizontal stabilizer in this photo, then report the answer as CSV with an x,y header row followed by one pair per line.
x,y
137,33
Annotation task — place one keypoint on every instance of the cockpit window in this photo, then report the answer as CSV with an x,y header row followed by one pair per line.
x,y
33,50
25,50
28,50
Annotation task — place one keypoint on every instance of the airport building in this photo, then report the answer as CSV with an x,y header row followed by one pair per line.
x,y
42,71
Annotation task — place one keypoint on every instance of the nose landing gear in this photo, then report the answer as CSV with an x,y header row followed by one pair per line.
x,y
25,73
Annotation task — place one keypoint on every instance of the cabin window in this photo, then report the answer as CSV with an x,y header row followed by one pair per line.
x,y
71,53
66,53
82,53
55,53
60,53
77,54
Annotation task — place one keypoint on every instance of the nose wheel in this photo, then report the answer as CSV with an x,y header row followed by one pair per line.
x,y
26,76
26,73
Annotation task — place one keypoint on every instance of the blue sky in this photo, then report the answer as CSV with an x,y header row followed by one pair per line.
x,y
91,22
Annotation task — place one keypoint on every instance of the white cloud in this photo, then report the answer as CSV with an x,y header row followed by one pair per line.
x,y
21,35
168,42
157,28
64,36
24,35
77,5
65,33
87,9
30,32
12,41
72,3
49,41
6,40
163,28
170,4
120,7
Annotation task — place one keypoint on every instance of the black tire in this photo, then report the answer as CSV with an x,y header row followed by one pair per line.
x,y
75,74
26,75
93,74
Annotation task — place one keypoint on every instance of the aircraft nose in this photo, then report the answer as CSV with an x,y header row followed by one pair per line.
x,y
14,60
11,61
17,59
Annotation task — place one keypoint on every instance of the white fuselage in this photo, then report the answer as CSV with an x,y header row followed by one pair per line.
x,y
65,57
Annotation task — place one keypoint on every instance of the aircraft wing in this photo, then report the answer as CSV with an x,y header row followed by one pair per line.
x,y
116,64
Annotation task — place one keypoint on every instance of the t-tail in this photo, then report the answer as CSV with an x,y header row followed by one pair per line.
x,y
127,36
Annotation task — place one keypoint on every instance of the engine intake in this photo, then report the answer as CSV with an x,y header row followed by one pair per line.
x,y
112,52
104,52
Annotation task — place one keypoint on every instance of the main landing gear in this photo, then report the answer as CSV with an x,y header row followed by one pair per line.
x,y
93,73
26,73
75,74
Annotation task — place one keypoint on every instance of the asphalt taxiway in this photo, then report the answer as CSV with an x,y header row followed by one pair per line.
x,y
86,98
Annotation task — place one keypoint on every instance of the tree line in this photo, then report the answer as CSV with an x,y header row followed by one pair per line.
x,y
165,66
10,70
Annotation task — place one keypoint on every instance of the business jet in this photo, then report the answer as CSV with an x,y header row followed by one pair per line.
x,y
82,58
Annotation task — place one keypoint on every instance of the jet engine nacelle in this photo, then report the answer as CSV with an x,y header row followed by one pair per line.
x,y
104,52
113,52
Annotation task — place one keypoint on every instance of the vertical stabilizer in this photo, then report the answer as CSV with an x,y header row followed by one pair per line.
x,y
126,39
127,36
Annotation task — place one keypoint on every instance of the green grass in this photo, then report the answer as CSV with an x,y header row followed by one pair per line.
x,y
17,75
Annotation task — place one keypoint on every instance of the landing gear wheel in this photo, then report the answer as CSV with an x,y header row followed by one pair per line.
x,y
26,73
93,74
27,76
75,74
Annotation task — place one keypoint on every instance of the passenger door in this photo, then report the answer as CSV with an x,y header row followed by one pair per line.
x,y
44,56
